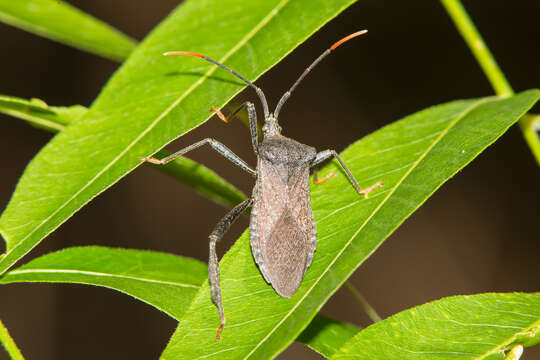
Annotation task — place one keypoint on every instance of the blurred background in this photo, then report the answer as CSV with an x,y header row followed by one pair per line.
x,y
478,233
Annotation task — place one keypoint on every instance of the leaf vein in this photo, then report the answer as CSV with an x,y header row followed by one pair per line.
x,y
94,273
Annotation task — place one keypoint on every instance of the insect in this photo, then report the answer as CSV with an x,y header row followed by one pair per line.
x,y
282,229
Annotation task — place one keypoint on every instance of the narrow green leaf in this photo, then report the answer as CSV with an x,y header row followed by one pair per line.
x,y
461,327
9,344
165,281
39,114
151,101
55,118
57,20
326,336
413,157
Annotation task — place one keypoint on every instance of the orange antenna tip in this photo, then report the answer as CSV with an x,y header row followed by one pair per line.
x,y
183,53
347,38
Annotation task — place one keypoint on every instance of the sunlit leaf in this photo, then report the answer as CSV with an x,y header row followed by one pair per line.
x,y
165,281
462,327
62,22
162,280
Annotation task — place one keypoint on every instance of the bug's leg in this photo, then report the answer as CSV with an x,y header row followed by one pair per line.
x,y
318,181
252,115
323,155
213,266
216,145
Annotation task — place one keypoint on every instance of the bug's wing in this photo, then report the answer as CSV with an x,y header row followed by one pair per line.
x,y
300,205
283,243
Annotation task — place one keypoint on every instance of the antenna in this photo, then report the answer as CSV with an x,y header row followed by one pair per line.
x,y
310,67
257,89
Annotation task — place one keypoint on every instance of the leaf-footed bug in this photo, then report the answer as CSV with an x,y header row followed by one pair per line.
x,y
282,229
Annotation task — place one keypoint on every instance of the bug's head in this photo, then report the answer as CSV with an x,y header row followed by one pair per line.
x,y
271,126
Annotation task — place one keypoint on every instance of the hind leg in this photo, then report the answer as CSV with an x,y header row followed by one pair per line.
x,y
213,266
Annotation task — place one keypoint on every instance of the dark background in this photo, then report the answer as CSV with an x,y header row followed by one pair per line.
x,y
479,233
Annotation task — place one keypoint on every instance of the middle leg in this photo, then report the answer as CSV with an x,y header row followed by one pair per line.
x,y
216,145
323,155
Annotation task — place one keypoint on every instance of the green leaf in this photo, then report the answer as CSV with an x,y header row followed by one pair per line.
x,y
165,281
151,101
413,157
54,118
62,22
9,344
326,336
39,114
461,327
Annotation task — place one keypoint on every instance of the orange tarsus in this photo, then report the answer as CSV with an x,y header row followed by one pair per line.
x,y
183,53
220,114
218,332
347,38
318,181
151,160
370,189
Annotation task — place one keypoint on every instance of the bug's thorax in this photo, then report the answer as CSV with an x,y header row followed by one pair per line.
x,y
281,150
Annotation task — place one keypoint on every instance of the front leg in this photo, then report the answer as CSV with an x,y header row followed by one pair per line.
x,y
216,145
323,155
252,115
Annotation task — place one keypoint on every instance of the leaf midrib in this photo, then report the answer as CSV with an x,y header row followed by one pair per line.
x,y
272,13
96,273
338,255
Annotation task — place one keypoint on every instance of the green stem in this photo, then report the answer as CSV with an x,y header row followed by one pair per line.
x,y
368,309
530,126
491,69
9,344
478,47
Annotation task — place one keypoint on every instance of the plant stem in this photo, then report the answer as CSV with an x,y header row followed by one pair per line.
x,y
478,47
491,69
9,344
530,126
368,309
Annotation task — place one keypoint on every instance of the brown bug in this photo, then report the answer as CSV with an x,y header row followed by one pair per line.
x,y
282,229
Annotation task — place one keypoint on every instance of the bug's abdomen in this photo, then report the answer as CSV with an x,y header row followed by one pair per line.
x,y
282,228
